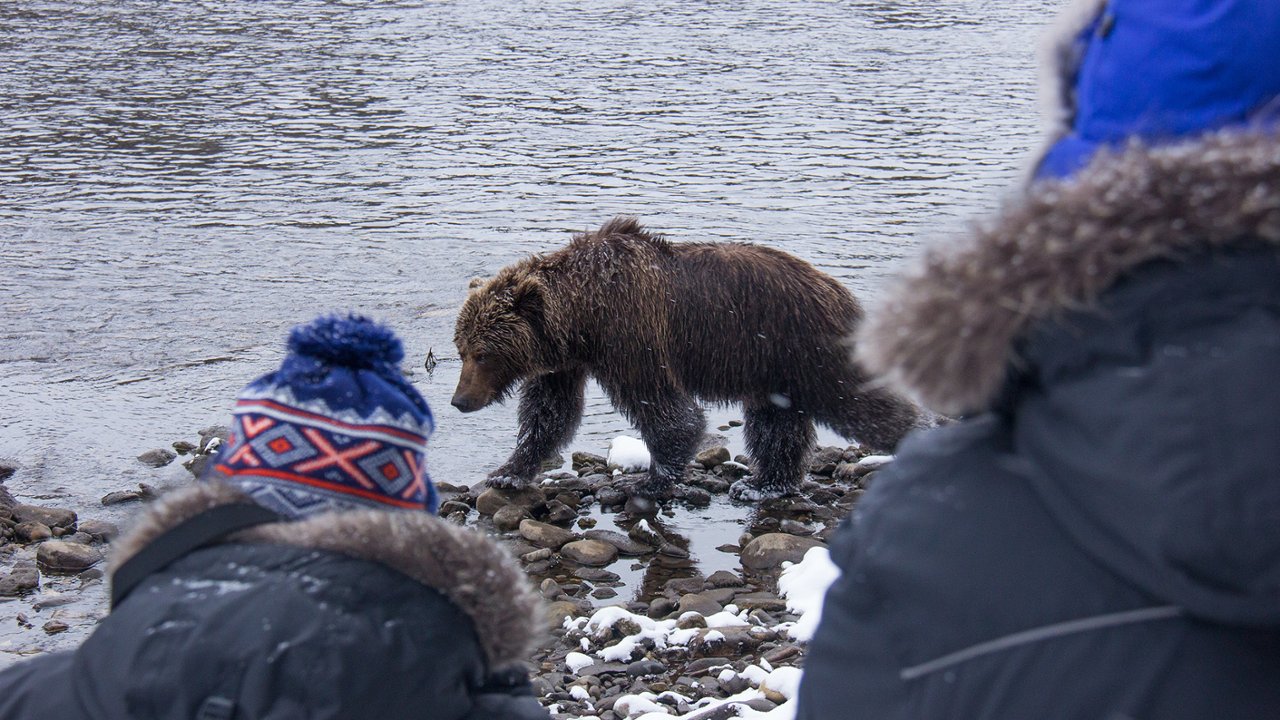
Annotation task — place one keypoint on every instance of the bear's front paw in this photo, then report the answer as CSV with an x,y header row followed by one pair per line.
x,y
506,481
746,491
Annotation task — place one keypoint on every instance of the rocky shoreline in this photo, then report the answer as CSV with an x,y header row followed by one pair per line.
x,y
636,627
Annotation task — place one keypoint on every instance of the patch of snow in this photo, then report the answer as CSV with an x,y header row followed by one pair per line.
x,y
628,453
804,585
875,461
576,661
577,692
725,619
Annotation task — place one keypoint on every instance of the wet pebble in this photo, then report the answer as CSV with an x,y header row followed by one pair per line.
x,y
55,626
157,458
590,552
625,545
509,517
545,535
99,530
21,579
31,532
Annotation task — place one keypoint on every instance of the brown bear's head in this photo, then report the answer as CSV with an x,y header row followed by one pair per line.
x,y
498,337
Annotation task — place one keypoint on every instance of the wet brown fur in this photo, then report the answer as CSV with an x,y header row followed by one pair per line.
x,y
659,325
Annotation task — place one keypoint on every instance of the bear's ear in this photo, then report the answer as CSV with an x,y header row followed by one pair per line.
x,y
475,284
526,297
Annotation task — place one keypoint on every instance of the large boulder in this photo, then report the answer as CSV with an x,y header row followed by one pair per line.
x,y
769,551
57,557
494,499
49,517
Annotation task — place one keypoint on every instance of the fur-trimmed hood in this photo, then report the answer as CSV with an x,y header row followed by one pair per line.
x,y
477,575
946,331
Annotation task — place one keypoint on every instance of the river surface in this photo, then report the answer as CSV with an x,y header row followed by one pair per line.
x,y
180,183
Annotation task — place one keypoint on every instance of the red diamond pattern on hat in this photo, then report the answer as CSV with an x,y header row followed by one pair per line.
x,y
280,445
390,471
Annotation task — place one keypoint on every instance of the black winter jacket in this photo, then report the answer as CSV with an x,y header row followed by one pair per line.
x,y
1100,538
364,614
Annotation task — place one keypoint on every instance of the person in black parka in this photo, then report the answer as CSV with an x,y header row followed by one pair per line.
x,y
1098,536
308,577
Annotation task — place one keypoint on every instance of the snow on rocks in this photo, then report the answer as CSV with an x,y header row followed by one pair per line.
x,y
629,454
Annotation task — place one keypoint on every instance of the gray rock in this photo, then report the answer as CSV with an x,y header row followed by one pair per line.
x,y
7,469
537,555
182,447
558,611
608,668
509,517
590,552
611,497
700,603
713,457
672,550
57,557
697,497
724,579
760,601
197,464
545,535
32,531
735,642
19,580
626,546
644,533
661,607
453,506
586,459
771,550
604,593
550,589
492,499
558,513
208,435
157,458
50,517
794,527
6,500
120,497
643,668
596,575
55,626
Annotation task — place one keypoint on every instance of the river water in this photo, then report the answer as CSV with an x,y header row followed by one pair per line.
x,y
182,182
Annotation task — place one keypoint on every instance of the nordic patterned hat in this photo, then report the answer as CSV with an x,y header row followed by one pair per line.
x,y
337,427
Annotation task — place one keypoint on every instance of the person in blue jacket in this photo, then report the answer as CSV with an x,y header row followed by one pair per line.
x,y
1099,535
308,577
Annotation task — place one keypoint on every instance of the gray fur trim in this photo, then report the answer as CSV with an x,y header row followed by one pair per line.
x,y
474,572
944,332
1059,57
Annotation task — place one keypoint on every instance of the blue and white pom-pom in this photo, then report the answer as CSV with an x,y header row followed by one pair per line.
x,y
352,341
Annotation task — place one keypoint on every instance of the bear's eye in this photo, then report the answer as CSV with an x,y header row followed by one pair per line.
x,y
480,358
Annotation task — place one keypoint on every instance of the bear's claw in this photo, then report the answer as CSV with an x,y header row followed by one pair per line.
x,y
745,491
506,482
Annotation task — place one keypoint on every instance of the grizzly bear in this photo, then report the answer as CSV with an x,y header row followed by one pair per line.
x,y
661,325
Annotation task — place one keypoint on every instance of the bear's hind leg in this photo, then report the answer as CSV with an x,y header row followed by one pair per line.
x,y
779,440
550,412
876,419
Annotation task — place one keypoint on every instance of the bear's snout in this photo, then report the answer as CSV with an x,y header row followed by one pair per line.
x,y
465,404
